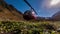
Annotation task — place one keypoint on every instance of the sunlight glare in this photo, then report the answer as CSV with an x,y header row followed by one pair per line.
x,y
54,2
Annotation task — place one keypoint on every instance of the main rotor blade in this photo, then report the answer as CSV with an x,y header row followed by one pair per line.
x,y
30,6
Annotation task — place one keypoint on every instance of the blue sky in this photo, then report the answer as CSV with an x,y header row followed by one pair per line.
x,y
39,5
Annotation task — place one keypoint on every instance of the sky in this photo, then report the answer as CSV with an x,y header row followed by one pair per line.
x,y
44,8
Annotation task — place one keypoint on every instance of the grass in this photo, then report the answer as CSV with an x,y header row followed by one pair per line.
x,y
29,27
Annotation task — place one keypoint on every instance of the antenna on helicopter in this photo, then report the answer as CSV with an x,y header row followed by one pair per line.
x,y
30,6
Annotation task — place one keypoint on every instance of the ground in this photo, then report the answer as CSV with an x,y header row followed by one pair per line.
x,y
29,27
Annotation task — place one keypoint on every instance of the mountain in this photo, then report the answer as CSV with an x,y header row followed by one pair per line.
x,y
56,16
8,12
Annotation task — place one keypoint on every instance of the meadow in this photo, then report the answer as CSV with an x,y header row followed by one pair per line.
x,y
29,27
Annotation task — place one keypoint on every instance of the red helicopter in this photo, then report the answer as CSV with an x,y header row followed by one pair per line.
x,y
29,14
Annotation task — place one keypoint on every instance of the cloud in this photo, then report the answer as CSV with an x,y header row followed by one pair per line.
x,y
46,6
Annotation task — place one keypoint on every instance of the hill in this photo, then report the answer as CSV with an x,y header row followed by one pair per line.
x,y
56,16
8,12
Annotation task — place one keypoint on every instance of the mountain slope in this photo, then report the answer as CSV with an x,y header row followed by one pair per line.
x,y
8,12
56,16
